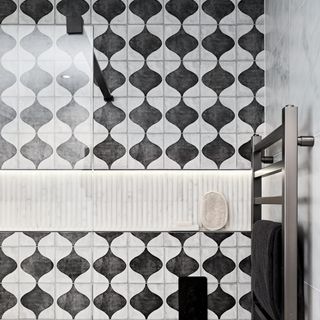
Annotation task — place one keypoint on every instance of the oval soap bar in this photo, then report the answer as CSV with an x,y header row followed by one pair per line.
x,y
214,211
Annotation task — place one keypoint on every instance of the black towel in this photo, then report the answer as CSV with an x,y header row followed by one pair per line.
x,y
267,272
267,269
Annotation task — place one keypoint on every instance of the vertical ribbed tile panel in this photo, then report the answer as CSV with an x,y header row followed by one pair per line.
x,y
118,200
167,200
45,200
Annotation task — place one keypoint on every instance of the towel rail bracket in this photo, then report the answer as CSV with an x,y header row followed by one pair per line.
x,y
306,141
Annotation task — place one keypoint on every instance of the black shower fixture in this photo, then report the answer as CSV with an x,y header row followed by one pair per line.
x,y
75,26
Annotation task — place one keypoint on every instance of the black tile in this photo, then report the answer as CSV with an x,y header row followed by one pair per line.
x,y
219,265
182,265
218,115
253,8
37,300
73,7
7,7
218,43
219,302
146,264
182,152
218,9
145,9
109,43
109,150
218,150
110,301
145,152
146,302
73,301
181,9
36,9
109,9
145,43
109,265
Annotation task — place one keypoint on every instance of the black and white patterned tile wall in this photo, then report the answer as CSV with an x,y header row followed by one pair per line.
x,y
187,77
115,275
46,94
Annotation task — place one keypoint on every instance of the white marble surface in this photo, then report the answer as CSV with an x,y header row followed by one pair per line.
x,y
293,77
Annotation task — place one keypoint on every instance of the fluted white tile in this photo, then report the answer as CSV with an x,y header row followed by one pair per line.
x,y
118,200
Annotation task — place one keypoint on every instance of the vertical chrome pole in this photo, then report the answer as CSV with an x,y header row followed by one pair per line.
x,y
289,212
256,183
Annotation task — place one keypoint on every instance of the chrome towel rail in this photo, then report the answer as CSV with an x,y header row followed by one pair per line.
x,y
288,168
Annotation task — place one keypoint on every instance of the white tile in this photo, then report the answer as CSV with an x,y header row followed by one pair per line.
x,y
231,241
170,313
206,241
171,241
243,240
12,239
242,290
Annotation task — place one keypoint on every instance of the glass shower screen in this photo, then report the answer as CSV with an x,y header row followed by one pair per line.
x,y
46,83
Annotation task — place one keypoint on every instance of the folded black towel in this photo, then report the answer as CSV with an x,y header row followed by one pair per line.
x,y
267,269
